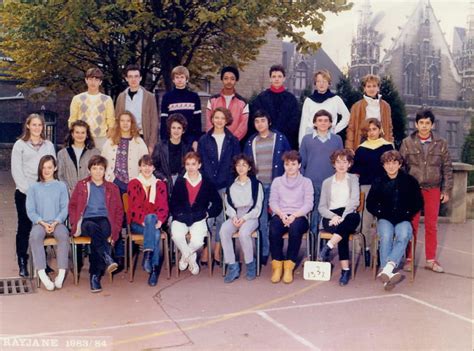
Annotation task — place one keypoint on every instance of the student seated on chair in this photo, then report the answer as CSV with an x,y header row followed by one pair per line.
x,y
46,206
243,205
337,206
394,199
95,210
193,200
291,199
147,211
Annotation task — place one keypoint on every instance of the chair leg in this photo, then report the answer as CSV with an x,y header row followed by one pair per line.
x,y
129,244
209,249
375,256
223,260
412,278
176,255
318,246
353,258
75,264
125,269
257,239
166,256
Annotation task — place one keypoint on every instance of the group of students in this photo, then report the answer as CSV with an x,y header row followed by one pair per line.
x,y
192,182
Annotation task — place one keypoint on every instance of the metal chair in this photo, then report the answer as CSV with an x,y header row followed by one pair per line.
x,y
131,238
47,242
256,235
323,235
376,254
81,240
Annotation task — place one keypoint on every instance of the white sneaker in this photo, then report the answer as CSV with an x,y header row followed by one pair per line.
x,y
392,281
193,266
183,263
48,284
58,283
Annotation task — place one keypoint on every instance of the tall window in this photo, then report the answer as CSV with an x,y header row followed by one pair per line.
x,y
452,133
409,75
301,76
433,89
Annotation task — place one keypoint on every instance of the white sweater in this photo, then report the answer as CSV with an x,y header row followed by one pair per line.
x,y
25,161
333,105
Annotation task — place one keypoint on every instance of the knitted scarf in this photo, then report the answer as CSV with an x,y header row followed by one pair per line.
x,y
150,182
320,98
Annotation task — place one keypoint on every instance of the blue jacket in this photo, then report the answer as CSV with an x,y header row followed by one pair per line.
x,y
281,146
218,172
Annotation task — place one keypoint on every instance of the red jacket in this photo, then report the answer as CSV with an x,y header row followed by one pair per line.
x,y
139,206
80,197
239,109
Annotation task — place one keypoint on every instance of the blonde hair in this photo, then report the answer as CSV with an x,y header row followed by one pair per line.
x,y
180,70
370,78
117,133
324,73
26,135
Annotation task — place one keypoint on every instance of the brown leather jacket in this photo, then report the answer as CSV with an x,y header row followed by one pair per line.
x,y
354,132
433,170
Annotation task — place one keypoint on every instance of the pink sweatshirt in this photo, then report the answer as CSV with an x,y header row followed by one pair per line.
x,y
290,195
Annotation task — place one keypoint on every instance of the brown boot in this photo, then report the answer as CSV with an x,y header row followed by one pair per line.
x,y
277,267
288,267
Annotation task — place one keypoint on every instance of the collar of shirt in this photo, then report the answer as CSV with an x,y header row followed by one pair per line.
x,y
241,183
192,182
335,181
322,138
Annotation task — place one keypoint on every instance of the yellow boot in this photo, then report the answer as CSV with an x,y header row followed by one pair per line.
x,y
277,267
288,267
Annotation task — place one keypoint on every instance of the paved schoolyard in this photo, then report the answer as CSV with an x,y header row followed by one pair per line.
x,y
435,312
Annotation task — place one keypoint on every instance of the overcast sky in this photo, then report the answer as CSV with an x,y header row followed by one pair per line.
x,y
339,29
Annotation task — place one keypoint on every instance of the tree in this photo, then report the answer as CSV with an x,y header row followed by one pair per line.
x,y
347,93
50,42
467,154
399,115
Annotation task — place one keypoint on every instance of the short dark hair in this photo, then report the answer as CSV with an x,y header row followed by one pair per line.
x,y
262,113
232,70
425,113
89,142
391,155
348,154
277,68
42,161
94,73
321,113
178,118
228,115
97,160
248,160
145,160
291,155
132,67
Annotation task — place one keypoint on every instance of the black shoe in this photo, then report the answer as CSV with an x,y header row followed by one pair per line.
x,y
22,265
146,263
324,253
120,264
109,263
95,283
49,269
264,260
345,277
153,278
367,258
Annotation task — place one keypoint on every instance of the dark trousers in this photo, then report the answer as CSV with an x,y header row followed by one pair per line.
x,y
344,229
295,234
119,249
24,225
98,229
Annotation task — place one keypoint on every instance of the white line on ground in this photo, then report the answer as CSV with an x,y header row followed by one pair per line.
x,y
295,336
335,302
427,304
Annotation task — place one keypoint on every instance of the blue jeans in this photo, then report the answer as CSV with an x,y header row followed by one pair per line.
x,y
151,236
392,249
263,221
119,248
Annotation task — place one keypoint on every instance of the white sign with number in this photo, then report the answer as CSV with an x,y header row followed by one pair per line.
x,y
314,270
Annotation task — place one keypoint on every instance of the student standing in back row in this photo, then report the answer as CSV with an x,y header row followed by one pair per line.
x,y
93,107
280,104
184,101
141,103
229,99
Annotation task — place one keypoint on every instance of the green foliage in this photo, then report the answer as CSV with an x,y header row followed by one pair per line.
x,y
52,42
467,155
399,115
347,93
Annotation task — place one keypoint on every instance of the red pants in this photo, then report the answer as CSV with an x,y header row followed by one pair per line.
x,y
431,199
